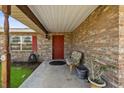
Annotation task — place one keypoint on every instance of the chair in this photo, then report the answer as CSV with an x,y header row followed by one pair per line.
x,y
74,60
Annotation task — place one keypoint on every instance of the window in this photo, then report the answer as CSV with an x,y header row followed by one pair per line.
x,y
27,43
15,43
21,43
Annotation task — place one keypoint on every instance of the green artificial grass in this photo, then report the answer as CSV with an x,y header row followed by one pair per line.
x,y
18,75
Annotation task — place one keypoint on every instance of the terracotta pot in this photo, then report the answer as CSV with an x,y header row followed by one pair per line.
x,y
96,85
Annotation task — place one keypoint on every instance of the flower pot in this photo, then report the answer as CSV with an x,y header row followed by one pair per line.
x,y
82,72
96,85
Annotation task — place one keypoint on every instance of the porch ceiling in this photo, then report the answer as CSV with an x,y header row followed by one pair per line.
x,y
61,18
55,18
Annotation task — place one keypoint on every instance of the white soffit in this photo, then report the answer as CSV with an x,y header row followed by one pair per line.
x,y
61,18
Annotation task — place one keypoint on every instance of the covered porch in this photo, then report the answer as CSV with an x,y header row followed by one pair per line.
x,y
60,30
48,76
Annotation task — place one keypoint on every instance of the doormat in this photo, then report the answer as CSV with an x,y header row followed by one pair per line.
x,y
57,63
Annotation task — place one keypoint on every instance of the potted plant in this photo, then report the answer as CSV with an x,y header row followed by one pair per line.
x,y
97,70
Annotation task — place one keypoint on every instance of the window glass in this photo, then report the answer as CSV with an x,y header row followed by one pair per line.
x,y
15,39
27,39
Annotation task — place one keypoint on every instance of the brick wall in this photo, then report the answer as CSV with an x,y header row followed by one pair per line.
x,y
44,48
45,45
15,55
121,46
1,43
20,56
98,38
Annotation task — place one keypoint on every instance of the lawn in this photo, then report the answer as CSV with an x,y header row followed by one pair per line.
x,y
18,74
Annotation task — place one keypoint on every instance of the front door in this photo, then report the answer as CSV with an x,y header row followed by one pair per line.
x,y
58,47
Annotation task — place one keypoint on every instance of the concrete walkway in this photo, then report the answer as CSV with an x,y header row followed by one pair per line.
x,y
48,76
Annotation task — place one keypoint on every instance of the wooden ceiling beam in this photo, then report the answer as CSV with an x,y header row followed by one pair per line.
x,y
26,10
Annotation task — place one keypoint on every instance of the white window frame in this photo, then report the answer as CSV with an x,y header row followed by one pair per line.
x,y
21,43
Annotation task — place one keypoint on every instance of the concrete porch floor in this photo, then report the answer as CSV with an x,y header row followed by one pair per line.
x,y
48,76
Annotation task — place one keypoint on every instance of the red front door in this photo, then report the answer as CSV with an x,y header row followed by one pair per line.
x,y
58,47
